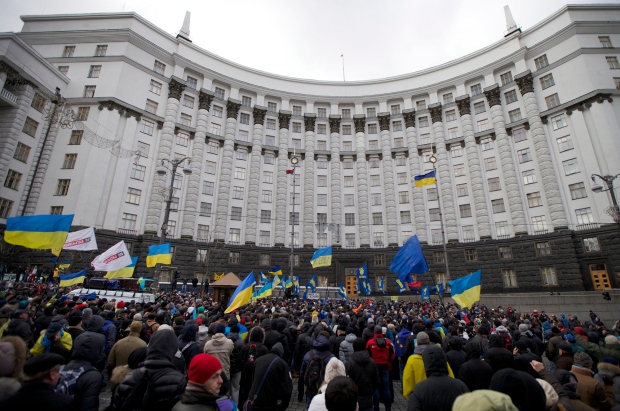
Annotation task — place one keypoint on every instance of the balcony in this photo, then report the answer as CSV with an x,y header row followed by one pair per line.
x,y
590,226
7,99
125,231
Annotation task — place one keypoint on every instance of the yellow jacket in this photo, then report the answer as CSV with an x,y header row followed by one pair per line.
x,y
415,373
65,340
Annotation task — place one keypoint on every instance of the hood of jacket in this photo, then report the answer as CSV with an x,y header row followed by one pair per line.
x,y
219,339
434,361
88,347
608,369
361,357
278,349
94,324
321,343
472,350
162,346
188,333
404,333
350,338
380,340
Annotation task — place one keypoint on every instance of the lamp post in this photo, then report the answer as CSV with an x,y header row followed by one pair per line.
x,y
294,164
597,188
162,171
433,161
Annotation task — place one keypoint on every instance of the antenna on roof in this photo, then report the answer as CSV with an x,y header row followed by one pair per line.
x,y
184,32
511,26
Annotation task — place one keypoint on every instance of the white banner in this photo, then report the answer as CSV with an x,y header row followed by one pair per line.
x,y
313,296
82,240
115,258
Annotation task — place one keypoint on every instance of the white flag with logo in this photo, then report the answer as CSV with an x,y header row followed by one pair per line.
x,y
115,258
82,240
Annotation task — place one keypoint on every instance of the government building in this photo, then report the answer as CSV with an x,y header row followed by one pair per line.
x,y
98,110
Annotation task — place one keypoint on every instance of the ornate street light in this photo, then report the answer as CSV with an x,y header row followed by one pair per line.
x,y
613,211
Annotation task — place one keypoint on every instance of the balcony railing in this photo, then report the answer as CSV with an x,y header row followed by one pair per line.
x,y
541,232
469,240
7,95
126,231
502,236
590,226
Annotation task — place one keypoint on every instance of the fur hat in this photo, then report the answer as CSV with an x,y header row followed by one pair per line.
x,y
611,339
583,360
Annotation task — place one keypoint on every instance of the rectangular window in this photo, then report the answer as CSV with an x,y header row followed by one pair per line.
x,y
69,161
143,149
244,118
155,87
62,187
552,101
548,276
547,81
68,51
238,193
400,177
456,151
271,124
374,163
349,200
591,244
348,181
267,196
490,164
151,106
505,252
510,96
433,214
461,190
207,187
605,42
321,199
529,177
558,122
436,236
395,109
465,210
377,239
56,210
346,113
431,194
147,127
321,181
296,127
202,233
398,142
524,155
510,278
450,115
501,229
494,184
217,112
349,239
371,112
264,240
82,114
241,153
12,179
459,170
584,216
38,102
159,67
346,130
240,173
235,213
270,141
403,197
506,78
188,101
423,121
191,82
246,101
30,127
128,221
89,91
216,129
297,110
22,152
213,147
133,196
349,219
482,125
613,62
205,209
220,93
471,254
439,257
420,105
293,218
498,206
182,139
377,218
448,98
321,129
565,143
519,134
543,248
541,62
138,172
397,125
571,166
405,217
296,144
480,107
265,216
453,133
94,71
234,257
476,89
539,223
295,198
515,115
534,199
210,167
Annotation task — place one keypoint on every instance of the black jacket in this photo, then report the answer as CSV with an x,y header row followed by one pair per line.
x,y
500,358
272,337
364,372
438,391
38,396
276,391
474,372
87,349
157,386
21,328
94,328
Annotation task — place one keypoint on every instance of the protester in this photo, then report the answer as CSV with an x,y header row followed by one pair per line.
x,y
119,355
364,372
54,340
12,358
341,394
204,380
272,386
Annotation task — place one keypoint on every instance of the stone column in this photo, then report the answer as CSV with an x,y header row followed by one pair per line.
x,y
281,217
363,216
159,190
253,194
188,227
479,193
223,192
419,206
309,198
388,179
336,178
509,171
543,153
445,174
7,71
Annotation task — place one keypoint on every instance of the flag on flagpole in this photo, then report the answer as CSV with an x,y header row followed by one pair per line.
x,y
141,281
275,270
82,240
290,171
159,253
243,293
381,285
362,272
125,272
65,264
322,257
67,280
465,291
276,281
263,278
425,179
312,284
439,288
409,259
288,283
401,286
43,232
425,293
265,291
342,292
296,284
114,258
367,287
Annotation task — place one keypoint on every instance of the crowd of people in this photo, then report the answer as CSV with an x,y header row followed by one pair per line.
x,y
183,352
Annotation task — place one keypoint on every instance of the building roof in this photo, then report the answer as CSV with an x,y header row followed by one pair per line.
x,y
229,280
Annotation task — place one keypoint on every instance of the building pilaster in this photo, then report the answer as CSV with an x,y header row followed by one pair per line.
x,y
281,218
362,181
335,166
419,207
253,194
309,198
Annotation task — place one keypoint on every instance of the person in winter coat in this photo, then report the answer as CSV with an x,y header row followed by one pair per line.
x,y
203,386
221,348
369,331
94,329
439,391
109,330
382,352
456,354
12,358
336,340
525,392
475,372
248,355
20,327
158,385
569,384
187,343
484,400
335,368
87,350
498,357
304,344
346,347
597,395
482,339
534,344
277,385
414,370
523,358
608,370
55,340
235,362
565,360
136,360
399,348
124,347
320,348
364,372
611,348
273,336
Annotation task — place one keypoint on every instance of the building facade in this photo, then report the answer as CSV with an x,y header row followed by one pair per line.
x,y
517,129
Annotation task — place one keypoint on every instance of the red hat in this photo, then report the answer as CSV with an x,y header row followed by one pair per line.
x,y
81,306
202,367
120,304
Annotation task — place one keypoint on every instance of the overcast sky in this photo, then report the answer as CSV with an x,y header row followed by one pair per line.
x,y
305,39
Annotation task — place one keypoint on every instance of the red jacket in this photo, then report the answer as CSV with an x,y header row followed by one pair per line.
x,y
381,350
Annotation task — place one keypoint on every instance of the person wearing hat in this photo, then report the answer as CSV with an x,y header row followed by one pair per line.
x,y
124,347
54,340
37,393
364,372
220,347
565,357
594,393
204,380
414,372
611,348
20,326
277,387
609,372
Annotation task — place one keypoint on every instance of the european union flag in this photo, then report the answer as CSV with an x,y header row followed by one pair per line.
x,y
409,259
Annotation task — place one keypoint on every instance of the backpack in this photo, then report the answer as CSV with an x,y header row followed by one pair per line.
x,y
68,379
507,341
313,378
251,358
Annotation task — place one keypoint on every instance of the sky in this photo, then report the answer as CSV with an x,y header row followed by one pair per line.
x,y
305,39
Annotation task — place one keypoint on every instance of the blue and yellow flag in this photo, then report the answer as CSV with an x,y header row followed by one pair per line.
x,y
401,285
71,279
141,281
362,272
409,259
265,291
381,285
322,257
296,284
263,278
217,276
276,281
425,293
243,293
65,264
43,232
465,291
425,179
439,288
125,272
160,253
367,287
275,270
312,284
288,283
342,292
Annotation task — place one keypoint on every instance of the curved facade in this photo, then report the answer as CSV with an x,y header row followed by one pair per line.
x,y
517,128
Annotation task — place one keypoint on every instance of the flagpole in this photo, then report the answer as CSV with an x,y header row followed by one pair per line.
x,y
433,160
343,78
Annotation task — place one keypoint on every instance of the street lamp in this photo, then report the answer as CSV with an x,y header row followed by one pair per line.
x,y
597,188
294,164
433,161
162,170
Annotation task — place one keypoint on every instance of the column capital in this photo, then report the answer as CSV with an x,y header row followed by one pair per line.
x,y
284,118
334,123
309,121
259,113
464,104
493,95
232,108
436,112
409,115
360,123
525,81
204,99
175,88
384,121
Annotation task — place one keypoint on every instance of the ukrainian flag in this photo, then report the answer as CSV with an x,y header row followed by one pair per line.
x,y
465,291
141,281
65,264
342,292
322,257
266,291
276,281
124,272
425,179
288,283
43,232
275,270
263,278
160,253
243,293
312,283
71,279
